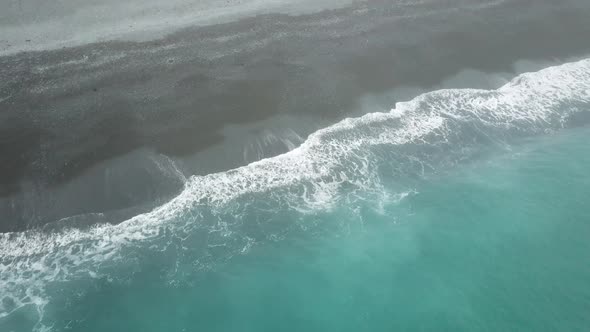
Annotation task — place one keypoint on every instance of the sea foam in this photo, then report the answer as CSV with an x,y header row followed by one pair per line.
x,y
307,178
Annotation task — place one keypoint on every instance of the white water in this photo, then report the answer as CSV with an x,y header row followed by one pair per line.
x,y
531,103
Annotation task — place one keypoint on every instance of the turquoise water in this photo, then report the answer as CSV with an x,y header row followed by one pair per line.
x,y
460,210
501,245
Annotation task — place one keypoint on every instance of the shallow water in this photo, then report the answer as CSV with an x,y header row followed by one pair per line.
x,y
499,245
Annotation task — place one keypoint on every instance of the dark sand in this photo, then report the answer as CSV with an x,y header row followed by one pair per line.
x,y
107,130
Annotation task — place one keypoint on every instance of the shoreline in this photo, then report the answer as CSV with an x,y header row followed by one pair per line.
x,y
75,121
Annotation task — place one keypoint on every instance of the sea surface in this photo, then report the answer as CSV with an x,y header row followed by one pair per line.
x,y
499,245
295,166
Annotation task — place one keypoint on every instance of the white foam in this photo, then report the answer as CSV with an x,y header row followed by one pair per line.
x,y
310,174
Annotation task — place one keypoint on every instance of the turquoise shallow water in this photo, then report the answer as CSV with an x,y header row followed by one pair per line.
x,y
460,210
498,245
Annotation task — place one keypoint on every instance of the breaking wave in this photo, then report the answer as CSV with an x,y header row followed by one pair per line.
x,y
222,214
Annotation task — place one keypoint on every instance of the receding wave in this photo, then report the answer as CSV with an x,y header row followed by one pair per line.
x,y
234,209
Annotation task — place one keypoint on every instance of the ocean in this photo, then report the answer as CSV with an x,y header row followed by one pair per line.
x,y
498,245
329,166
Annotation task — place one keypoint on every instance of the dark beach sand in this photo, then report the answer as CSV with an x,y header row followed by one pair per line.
x,y
104,131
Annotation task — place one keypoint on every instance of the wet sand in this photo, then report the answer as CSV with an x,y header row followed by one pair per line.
x,y
106,130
